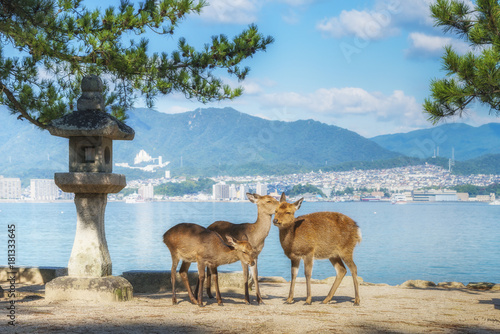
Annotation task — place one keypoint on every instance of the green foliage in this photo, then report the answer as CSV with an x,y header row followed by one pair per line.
x,y
59,42
474,76
299,189
128,191
185,188
476,190
487,164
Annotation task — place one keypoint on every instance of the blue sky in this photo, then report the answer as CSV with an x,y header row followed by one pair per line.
x,y
360,65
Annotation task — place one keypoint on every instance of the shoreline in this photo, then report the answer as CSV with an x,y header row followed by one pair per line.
x,y
383,309
183,200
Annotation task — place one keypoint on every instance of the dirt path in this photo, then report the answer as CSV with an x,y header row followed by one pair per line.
x,y
383,309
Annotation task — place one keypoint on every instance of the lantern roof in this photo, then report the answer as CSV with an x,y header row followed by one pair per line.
x,y
89,119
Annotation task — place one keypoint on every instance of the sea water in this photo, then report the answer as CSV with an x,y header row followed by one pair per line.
x,y
439,242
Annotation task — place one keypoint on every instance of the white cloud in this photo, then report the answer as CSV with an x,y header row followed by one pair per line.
x,y
334,104
411,12
362,24
384,19
232,11
423,45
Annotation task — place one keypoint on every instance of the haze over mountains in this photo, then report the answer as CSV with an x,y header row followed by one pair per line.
x,y
468,142
212,141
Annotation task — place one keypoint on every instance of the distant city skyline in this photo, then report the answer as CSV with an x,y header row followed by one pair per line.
x,y
394,180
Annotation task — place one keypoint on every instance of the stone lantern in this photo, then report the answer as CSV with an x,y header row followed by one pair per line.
x,y
91,132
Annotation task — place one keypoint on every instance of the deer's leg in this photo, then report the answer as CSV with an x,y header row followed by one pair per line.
x,y
255,274
308,266
216,281
341,271
245,281
184,276
209,283
354,272
295,270
201,277
175,262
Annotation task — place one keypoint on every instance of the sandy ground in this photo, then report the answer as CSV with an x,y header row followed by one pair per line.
x,y
383,308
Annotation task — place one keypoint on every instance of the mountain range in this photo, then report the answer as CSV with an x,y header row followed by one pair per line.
x,y
224,141
461,140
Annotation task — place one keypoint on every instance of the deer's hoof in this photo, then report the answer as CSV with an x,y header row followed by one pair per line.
x,y
289,301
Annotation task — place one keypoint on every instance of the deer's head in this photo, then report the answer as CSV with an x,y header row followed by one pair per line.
x,y
244,249
265,204
284,215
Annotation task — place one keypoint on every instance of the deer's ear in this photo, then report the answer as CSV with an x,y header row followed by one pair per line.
x,y
230,241
253,197
298,203
283,197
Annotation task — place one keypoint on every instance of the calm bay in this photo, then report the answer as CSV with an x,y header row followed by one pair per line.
x,y
431,241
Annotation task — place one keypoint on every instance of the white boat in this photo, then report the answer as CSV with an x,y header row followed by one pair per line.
x,y
134,198
398,199
496,202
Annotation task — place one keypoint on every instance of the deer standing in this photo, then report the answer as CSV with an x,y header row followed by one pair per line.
x,y
194,243
319,235
255,233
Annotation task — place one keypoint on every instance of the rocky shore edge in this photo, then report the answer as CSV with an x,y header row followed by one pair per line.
x,y
30,281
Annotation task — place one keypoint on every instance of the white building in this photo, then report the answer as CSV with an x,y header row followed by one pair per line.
x,y
433,195
242,193
44,190
261,189
10,188
233,193
220,191
147,192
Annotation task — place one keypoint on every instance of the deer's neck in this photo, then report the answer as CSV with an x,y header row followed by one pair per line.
x,y
262,226
287,236
227,256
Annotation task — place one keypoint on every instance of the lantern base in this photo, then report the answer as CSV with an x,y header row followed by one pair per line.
x,y
102,289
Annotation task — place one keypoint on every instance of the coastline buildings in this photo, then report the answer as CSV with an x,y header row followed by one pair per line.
x,y
10,188
220,191
337,186
242,194
261,189
146,192
435,195
44,190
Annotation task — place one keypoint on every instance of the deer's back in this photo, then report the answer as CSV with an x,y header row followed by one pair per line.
x,y
189,241
325,234
237,231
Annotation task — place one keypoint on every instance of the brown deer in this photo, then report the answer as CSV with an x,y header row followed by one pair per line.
x,y
194,243
255,233
319,235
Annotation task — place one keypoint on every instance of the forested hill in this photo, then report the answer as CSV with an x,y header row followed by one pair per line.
x,y
204,142
215,137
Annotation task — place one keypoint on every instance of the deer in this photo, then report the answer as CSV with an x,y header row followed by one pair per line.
x,y
194,243
319,235
255,233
